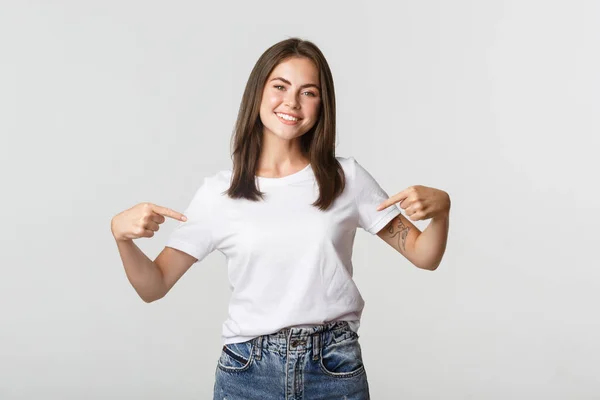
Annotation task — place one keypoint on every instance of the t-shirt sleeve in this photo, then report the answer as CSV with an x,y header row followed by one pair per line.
x,y
195,236
368,195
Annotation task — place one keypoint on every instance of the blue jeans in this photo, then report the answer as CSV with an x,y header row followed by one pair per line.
x,y
320,362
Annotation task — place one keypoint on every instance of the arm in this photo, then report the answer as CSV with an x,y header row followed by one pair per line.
x,y
423,249
401,234
152,280
431,244
145,276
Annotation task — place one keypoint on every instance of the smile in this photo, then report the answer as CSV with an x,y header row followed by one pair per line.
x,y
286,117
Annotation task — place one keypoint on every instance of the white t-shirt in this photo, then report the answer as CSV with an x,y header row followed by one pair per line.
x,y
289,263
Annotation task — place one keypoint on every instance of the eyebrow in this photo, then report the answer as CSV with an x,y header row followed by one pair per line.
x,y
301,87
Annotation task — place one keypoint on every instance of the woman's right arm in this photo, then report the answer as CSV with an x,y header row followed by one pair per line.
x,y
143,274
152,280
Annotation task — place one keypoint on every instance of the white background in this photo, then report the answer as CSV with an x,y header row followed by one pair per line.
x,y
105,104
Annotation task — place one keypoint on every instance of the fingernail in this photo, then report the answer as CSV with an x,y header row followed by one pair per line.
x,y
184,218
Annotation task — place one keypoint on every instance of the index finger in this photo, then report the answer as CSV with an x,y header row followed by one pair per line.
x,y
398,197
167,212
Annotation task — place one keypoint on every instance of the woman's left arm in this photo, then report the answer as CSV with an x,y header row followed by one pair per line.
x,y
424,249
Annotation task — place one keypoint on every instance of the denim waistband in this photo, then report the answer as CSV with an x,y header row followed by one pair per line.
x,y
300,339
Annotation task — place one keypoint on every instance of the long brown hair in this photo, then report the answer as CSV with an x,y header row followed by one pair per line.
x,y
318,144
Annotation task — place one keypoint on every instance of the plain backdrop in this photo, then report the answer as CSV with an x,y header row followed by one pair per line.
x,y
105,104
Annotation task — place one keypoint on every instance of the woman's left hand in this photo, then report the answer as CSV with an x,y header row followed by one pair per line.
x,y
420,202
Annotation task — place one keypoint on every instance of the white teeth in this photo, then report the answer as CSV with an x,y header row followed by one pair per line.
x,y
287,117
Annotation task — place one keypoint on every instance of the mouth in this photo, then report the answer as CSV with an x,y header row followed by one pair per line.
x,y
287,119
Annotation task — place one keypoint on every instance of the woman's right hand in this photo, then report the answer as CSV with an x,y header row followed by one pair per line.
x,y
141,220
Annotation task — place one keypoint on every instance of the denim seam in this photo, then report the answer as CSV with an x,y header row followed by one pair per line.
x,y
236,369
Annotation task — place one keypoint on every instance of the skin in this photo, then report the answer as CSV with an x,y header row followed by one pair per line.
x,y
424,249
401,234
398,229
291,88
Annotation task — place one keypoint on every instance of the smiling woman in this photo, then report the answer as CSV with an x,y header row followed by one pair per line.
x,y
287,100
285,217
295,308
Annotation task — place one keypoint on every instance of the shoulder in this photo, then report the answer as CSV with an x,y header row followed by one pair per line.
x,y
359,178
220,180
355,172
348,165
211,187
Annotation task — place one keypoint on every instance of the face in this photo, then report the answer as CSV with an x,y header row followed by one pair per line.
x,y
291,99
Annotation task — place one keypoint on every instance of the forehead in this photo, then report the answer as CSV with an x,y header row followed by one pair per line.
x,y
298,70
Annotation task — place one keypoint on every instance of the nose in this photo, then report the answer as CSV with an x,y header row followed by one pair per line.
x,y
291,100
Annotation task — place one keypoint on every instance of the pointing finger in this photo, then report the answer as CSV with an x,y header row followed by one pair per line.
x,y
392,200
159,219
167,212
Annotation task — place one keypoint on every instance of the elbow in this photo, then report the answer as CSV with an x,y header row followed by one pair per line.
x,y
433,268
147,299
428,266
429,263
151,294
150,298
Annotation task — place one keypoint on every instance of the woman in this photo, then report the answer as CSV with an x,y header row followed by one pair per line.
x,y
285,217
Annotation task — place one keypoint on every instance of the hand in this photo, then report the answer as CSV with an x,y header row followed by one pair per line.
x,y
141,220
420,202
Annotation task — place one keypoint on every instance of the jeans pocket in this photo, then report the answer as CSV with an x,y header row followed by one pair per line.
x,y
342,358
237,357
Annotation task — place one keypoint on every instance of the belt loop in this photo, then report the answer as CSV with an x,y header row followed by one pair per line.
x,y
258,347
316,345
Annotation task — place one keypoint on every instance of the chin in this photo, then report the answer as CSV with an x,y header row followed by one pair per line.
x,y
283,133
284,136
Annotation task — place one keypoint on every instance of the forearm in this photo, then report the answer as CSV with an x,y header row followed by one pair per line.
x,y
143,274
431,243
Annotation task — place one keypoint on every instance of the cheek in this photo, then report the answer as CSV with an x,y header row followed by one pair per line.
x,y
314,109
269,103
271,100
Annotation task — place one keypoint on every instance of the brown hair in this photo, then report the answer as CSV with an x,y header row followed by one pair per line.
x,y
318,144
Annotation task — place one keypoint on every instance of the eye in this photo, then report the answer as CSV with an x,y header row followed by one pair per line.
x,y
278,86
311,94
